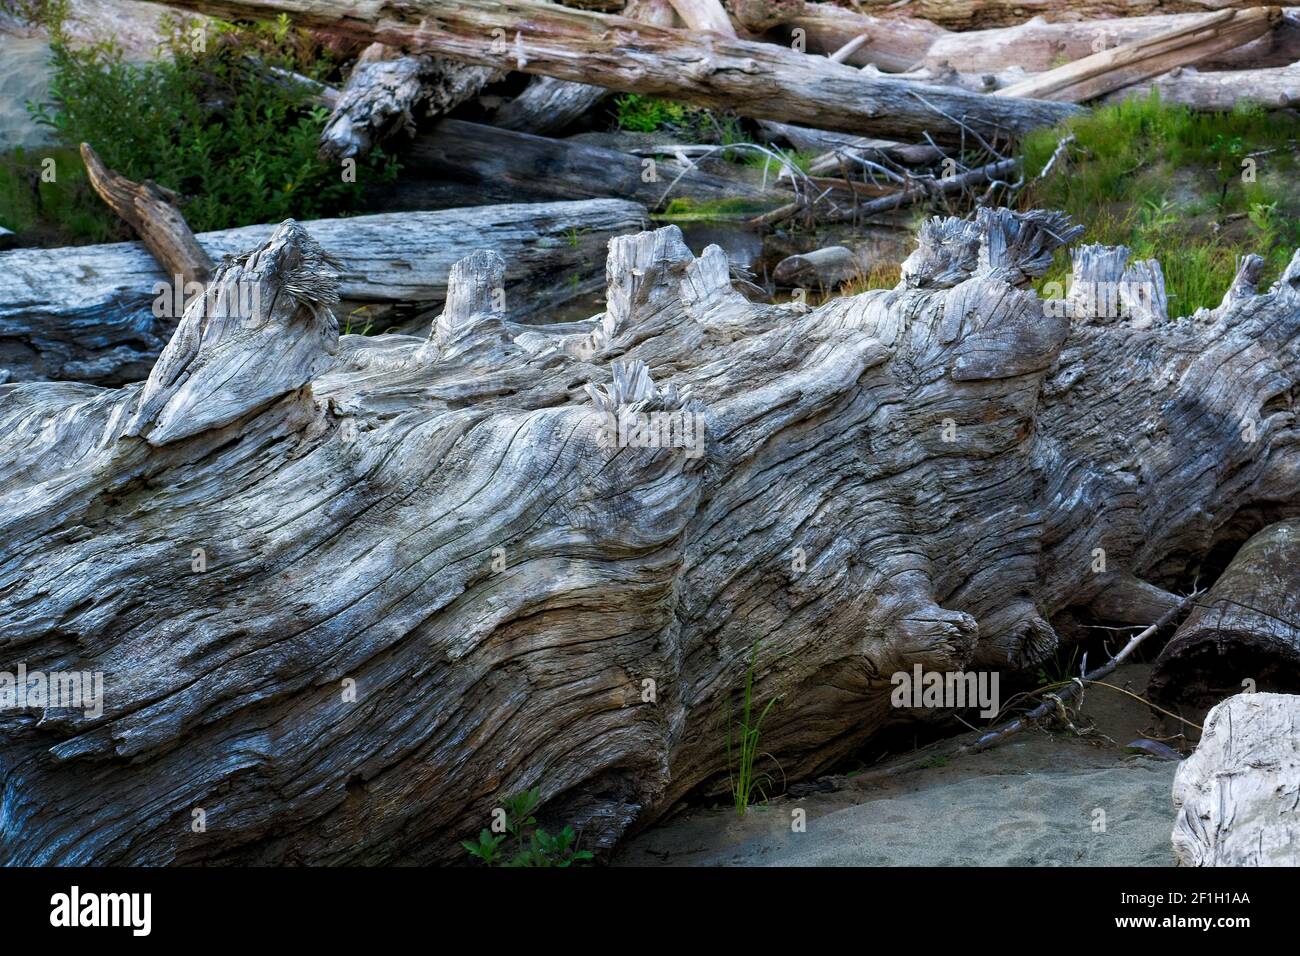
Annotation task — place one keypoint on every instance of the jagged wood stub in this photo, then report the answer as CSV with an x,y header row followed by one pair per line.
x,y
920,475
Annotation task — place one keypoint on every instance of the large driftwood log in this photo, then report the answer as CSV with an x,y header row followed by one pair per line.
x,y
761,80
1238,795
893,44
1246,631
497,165
96,313
1037,45
1122,66
348,594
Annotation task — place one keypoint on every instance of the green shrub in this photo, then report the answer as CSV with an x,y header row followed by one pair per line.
x,y
204,121
522,842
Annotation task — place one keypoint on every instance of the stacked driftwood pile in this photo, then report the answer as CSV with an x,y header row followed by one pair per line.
x,y
349,592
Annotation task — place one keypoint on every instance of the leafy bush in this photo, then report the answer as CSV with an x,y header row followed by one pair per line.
x,y
208,121
531,845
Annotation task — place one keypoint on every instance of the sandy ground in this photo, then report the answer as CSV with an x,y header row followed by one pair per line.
x,y
25,77
1039,799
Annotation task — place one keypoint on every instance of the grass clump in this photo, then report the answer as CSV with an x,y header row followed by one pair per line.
x,y
520,842
1193,190
743,749
200,120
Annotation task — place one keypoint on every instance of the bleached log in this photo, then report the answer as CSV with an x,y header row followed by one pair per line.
x,y
969,14
1246,631
825,268
761,80
1238,795
1221,92
704,15
431,576
1037,46
497,165
1096,75
894,44
98,314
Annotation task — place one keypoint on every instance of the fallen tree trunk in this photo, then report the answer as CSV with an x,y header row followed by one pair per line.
x,y
1096,75
1037,46
103,313
548,106
754,79
349,594
1247,628
494,165
1236,794
997,13
1221,92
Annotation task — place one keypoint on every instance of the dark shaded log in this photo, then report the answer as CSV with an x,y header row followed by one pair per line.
x,y
1246,629
151,211
496,164
103,313
431,576
755,79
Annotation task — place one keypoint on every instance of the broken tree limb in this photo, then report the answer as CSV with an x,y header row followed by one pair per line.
x,y
428,574
1236,795
944,186
495,164
1096,75
1277,88
1062,694
384,91
151,211
1246,629
754,79
103,313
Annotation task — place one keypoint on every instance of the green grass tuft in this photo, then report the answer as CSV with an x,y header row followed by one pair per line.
x,y
1168,183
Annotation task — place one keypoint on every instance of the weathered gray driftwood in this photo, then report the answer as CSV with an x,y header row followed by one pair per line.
x,y
761,80
1276,88
1238,794
384,92
98,313
349,594
1246,631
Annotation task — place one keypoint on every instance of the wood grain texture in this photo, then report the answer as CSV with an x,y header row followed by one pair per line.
x,y
1237,794
919,475
761,80
88,313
